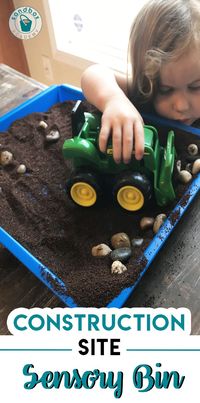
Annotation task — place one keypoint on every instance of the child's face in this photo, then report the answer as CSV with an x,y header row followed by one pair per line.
x,y
178,95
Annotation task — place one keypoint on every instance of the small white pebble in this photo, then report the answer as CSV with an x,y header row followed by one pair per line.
x,y
185,176
101,250
43,124
53,136
178,165
118,267
159,220
137,242
192,149
21,169
196,166
6,158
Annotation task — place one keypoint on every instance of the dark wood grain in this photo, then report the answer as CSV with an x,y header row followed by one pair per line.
x,y
173,280
20,288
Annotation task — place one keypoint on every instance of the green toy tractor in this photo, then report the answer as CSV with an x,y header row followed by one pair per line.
x,y
131,185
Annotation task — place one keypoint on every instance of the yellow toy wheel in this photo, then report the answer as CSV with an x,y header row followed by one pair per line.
x,y
132,191
83,194
83,188
130,198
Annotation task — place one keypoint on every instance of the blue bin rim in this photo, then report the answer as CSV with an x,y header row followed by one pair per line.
x,y
44,273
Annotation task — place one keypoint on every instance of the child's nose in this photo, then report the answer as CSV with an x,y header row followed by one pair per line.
x,y
180,103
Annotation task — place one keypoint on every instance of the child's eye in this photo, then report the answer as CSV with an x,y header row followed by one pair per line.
x,y
165,90
197,88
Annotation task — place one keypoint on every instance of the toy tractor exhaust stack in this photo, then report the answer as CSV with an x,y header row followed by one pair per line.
x,y
77,118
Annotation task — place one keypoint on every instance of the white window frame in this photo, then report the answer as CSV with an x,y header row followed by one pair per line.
x,y
69,58
59,56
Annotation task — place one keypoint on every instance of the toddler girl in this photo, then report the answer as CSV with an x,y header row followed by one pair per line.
x,y
164,55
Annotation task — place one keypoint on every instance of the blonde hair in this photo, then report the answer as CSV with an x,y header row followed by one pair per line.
x,y
162,31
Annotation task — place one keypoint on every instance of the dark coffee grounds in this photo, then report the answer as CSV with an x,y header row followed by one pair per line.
x,y
37,213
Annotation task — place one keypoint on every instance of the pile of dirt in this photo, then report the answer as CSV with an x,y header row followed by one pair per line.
x,y
36,211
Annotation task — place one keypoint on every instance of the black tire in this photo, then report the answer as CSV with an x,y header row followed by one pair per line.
x,y
83,189
132,191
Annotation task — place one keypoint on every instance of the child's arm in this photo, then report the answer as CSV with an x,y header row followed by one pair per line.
x,y
108,92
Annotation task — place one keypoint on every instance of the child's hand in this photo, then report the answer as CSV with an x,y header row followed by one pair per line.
x,y
122,121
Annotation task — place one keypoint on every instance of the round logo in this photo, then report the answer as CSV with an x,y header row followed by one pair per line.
x,y
25,22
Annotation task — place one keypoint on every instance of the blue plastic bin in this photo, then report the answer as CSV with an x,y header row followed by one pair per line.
x,y
40,103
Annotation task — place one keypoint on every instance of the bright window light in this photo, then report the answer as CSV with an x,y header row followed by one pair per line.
x,y
95,30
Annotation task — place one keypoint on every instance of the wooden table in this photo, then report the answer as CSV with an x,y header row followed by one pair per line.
x,y
173,280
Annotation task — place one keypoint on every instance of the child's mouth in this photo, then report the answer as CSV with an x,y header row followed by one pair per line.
x,y
187,122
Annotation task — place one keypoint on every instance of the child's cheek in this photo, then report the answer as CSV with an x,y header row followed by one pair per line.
x,y
160,106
